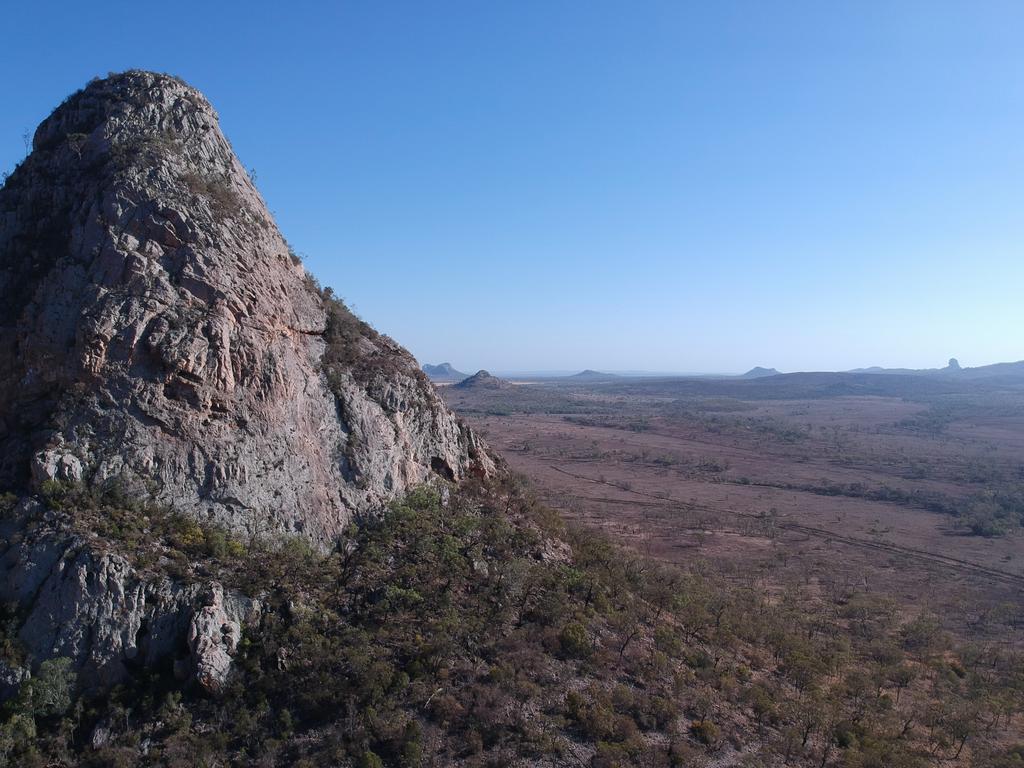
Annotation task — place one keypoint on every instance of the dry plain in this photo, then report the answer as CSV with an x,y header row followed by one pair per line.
x,y
842,485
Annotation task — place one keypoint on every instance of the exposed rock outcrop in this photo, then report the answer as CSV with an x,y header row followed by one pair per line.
x,y
213,634
156,331
89,604
155,328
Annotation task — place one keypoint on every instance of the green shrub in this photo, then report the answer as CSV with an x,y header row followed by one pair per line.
x,y
574,642
48,692
7,503
705,731
667,640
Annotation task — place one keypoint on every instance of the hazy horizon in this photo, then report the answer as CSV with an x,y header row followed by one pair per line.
x,y
532,372
658,186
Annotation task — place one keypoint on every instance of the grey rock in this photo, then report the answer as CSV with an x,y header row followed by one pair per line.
x,y
213,636
156,330
11,678
55,465
100,735
98,610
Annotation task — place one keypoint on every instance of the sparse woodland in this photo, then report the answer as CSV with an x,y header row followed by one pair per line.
x,y
470,626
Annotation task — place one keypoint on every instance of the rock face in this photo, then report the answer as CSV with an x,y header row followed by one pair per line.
x,y
213,634
93,607
157,332
155,328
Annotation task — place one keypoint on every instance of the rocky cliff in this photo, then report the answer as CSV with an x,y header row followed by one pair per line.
x,y
155,329
157,333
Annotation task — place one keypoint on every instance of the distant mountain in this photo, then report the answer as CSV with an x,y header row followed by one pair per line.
x,y
989,371
877,369
590,375
953,369
758,372
483,380
444,372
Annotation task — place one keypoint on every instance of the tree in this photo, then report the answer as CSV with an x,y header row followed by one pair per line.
x,y
48,693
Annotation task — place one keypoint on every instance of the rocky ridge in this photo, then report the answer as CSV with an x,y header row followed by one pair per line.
x,y
157,333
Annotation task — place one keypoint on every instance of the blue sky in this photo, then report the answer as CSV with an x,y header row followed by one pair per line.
x,y
684,186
